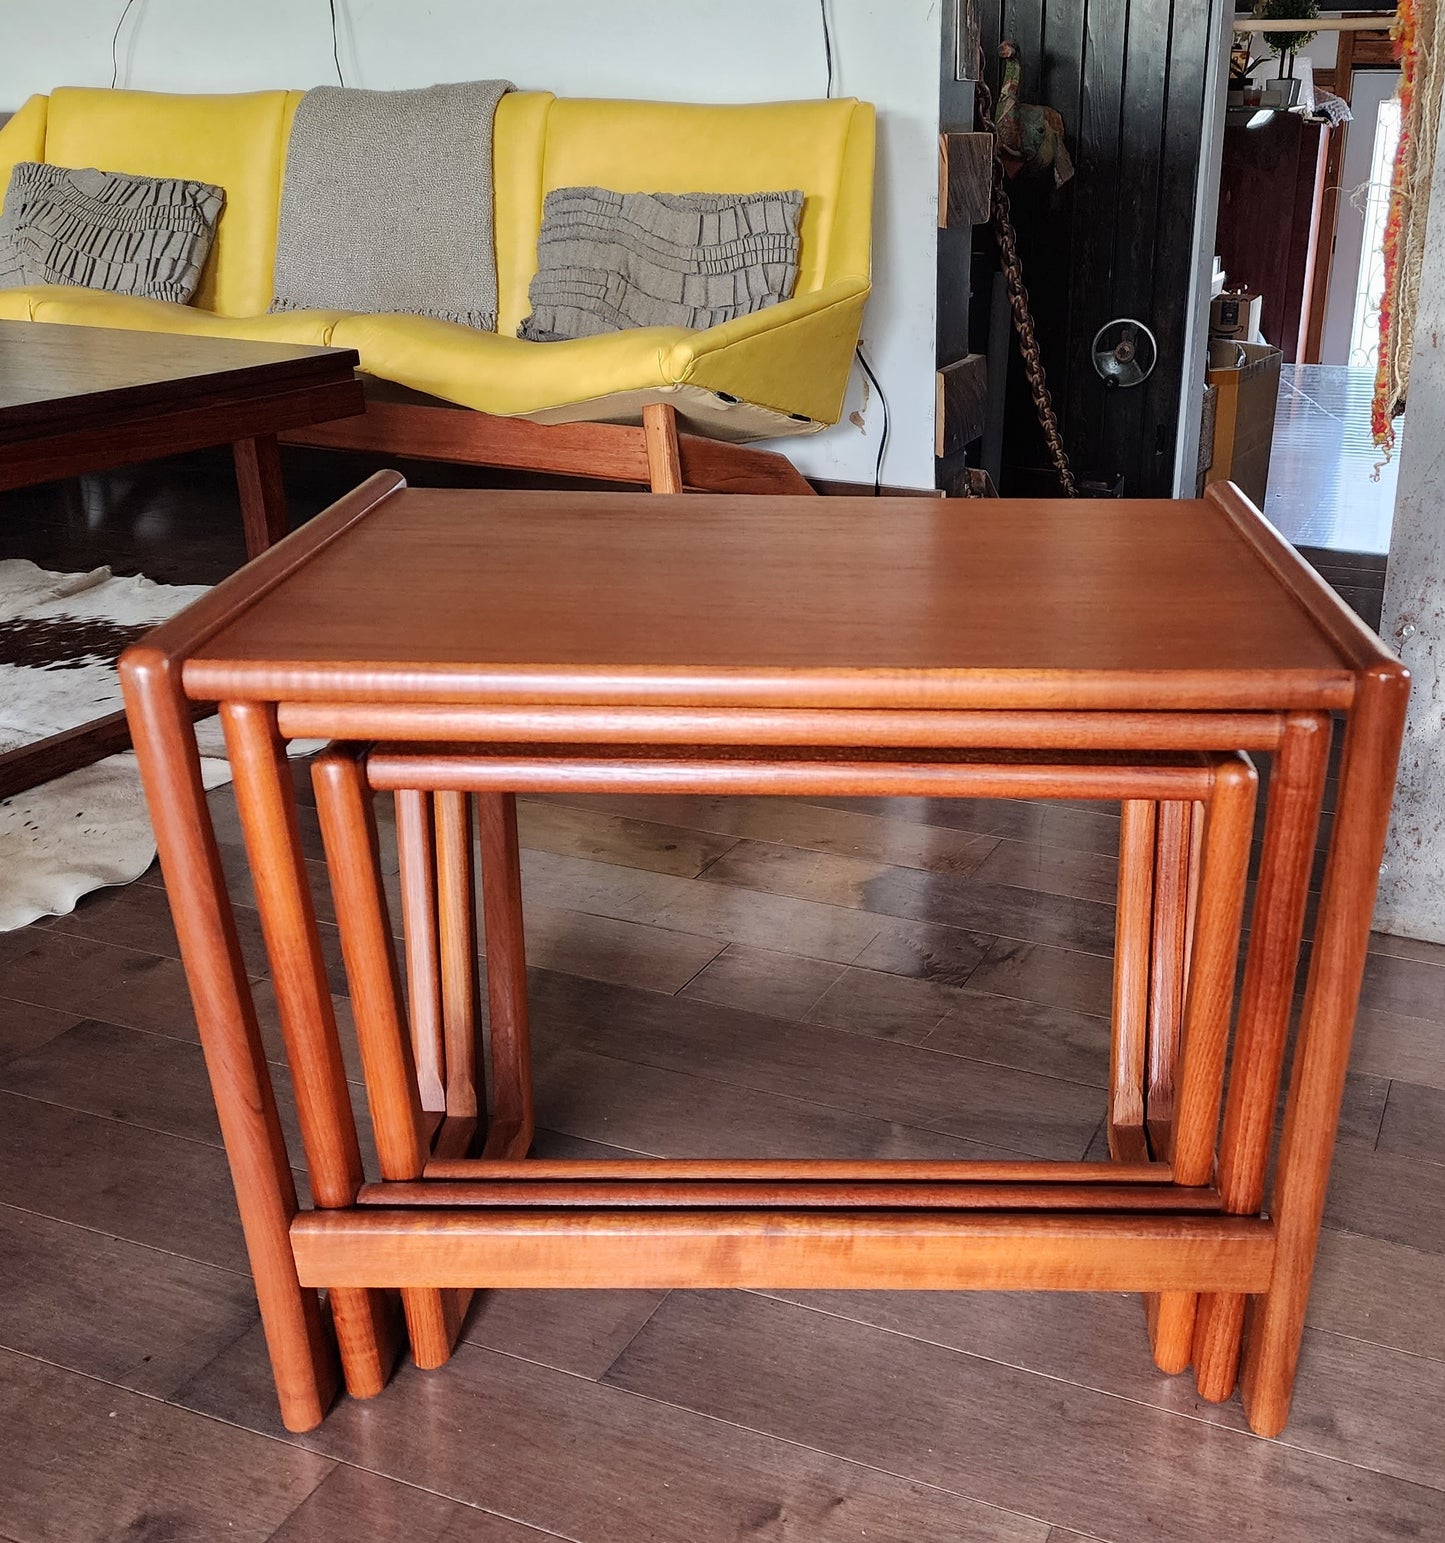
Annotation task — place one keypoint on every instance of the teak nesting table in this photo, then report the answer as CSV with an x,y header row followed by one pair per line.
x,y
458,648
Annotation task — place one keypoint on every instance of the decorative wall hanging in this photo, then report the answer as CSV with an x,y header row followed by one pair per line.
x,y
1420,46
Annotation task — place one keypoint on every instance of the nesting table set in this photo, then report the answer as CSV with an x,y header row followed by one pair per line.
x,y
458,648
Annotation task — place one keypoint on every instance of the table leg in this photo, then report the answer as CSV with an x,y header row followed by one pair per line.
x,y
303,1356
434,1321
416,851
1213,950
1166,966
1169,1314
1292,815
1209,1007
457,917
1129,1042
512,1124
365,1325
348,831
1317,1083
1196,864
263,493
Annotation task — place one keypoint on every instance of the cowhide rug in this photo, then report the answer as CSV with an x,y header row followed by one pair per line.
x,y
60,635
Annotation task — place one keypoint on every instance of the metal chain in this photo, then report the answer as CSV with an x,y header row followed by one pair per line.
x,y
1018,299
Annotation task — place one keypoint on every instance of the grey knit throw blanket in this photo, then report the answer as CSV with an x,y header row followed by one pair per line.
x,y
387,203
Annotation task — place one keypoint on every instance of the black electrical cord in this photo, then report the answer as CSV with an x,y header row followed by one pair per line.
x,y
335,46
115,45
827,43
883,442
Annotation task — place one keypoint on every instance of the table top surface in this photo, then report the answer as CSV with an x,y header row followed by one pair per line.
x,y
53,375
508,597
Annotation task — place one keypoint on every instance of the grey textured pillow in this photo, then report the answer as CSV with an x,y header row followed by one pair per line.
x,y
607,261
106,230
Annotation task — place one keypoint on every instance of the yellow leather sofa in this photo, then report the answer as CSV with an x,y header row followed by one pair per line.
x,y
783,370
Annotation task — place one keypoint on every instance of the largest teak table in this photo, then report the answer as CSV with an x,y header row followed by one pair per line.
x,y
458,647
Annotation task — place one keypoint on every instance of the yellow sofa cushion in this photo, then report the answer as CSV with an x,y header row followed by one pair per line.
x,y
235,142
99,308
518,140
791,358
504,375
23,138
669,147
15,304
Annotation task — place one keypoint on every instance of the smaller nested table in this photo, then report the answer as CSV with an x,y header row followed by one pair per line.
x,y
460,647
75,400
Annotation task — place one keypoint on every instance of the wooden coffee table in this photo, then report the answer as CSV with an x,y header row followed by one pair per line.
x,y
75,400
458,647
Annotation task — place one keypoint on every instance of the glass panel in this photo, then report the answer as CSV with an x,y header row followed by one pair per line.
x,y
1370,287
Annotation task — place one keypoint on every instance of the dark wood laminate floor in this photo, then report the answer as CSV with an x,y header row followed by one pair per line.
x,y
710,977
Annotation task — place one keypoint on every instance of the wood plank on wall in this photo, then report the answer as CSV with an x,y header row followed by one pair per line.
x,y
1129,82
960,403
965,179
957,68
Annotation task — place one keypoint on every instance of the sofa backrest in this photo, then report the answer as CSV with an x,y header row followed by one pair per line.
x,y
238,142
823,148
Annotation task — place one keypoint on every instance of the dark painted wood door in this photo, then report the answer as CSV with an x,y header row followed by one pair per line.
x,y
1129,78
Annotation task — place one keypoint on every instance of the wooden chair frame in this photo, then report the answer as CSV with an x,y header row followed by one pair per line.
x,y
654,454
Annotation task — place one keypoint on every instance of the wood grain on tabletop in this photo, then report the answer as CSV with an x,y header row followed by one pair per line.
x,y
60,375
744,584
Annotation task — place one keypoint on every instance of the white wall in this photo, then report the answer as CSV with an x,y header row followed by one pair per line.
x,y
1206,221
885,51
1323,49
1412,877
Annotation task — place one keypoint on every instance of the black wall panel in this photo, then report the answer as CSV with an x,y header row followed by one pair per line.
x,y
1129,78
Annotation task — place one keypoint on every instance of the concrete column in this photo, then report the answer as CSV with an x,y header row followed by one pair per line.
x,y
1412,886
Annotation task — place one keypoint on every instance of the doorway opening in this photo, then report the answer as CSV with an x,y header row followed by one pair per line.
x,y
1304,196
1364,344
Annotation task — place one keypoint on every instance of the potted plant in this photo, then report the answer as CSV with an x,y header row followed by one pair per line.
x,y
1241,70
1285,45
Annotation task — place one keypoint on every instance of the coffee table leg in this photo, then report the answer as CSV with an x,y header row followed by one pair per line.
x,y
1317,1081
303,1355
263,493
1292,815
